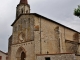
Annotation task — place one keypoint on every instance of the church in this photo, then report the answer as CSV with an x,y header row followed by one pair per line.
x,y
35,37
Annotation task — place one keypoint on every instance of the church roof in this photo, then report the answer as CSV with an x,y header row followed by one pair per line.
x,y
46,19
23,2
3,52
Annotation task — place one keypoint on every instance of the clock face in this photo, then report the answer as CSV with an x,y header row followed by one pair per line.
x,y
21,36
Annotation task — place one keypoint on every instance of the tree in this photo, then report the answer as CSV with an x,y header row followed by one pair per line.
x,y
77,11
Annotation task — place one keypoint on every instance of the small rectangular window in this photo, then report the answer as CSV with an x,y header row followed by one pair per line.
x,y
47,58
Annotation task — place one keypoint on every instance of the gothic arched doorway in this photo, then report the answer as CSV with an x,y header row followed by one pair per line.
x,y
23,56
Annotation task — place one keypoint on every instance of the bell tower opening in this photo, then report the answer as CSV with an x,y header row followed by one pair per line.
x,y
23,56
22,8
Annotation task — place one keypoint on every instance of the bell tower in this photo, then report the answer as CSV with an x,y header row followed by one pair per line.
x,y
22,8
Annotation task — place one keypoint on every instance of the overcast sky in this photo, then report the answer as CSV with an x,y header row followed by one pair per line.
x,y
57,10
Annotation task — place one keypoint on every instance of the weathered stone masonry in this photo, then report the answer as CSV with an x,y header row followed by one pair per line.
x,y
35,37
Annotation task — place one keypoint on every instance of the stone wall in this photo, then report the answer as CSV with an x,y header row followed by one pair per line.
x,y
49,37
41,36
22,38
27,47
54,37
78,57
57,57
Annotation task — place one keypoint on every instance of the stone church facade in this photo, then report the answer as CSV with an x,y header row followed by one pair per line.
x,y
35,37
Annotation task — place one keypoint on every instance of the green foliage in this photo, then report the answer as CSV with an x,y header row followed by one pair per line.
x,y
77,11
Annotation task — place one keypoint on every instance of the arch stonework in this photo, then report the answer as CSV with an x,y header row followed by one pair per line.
x,y
19,51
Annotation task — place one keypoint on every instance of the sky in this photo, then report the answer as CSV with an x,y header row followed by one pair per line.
x,y
58,10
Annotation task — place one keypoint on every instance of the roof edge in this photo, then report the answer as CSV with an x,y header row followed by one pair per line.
x,y
4,52
45,18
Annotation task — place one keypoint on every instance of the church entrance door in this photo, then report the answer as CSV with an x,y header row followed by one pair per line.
x,y
23,56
